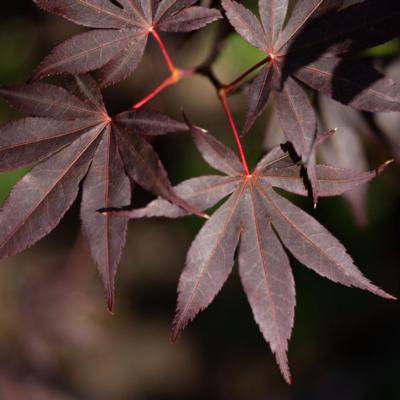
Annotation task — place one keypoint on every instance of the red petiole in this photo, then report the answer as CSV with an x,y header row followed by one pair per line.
x,y
164,51
225,106
231,86
177,74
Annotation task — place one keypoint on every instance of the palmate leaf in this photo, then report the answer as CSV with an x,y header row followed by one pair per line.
x,y
309,49
117,42
345,149
72,139
389,123
267,225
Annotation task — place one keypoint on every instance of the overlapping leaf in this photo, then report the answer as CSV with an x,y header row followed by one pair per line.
x,y
345,149
389,123
267,225
72,137
309,49
120,31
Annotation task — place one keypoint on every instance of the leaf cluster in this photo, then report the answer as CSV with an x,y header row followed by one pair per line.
x,y
75,146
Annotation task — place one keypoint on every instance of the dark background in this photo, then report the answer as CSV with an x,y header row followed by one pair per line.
x,y
57,341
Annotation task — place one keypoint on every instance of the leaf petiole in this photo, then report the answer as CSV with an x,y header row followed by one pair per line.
x,y
163,49
175,76
222,97
232,85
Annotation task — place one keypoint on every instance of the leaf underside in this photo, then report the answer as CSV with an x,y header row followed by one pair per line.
x,y
310,48
70,140
267,226
118,38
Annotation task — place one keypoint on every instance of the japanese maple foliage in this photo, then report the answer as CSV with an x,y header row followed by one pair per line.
x,y
74,145
117,42
310,49
266,224
72,137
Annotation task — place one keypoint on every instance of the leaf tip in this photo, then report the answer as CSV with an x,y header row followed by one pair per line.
x,y
381,293
175,333
383,166
315,196
388,296
110,304
288,379
282,360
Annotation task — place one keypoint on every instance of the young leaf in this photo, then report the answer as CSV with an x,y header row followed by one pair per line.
x,y
260,218
117,43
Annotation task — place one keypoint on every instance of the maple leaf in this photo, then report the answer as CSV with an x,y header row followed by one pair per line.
x,y
389,123
346,150
267,225
71,139
310,49
120,31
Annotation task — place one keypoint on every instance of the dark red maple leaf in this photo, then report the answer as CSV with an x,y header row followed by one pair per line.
x,y
389,123
72,139
266,225
310,49
346,149
121,29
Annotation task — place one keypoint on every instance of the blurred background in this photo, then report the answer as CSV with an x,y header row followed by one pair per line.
x,y
58,342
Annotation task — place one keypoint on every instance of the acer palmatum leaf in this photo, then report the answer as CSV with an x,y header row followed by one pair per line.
x,y
272,14
389,122
257,97
73,139
149,122
40,199
118,40
345,149
304,49
360,26
303,12
44,100
202,192
296,115
353,83
246,24
105,185
30,139
262,220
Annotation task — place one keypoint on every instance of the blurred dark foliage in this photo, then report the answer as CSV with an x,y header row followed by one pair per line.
x,y
57,340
